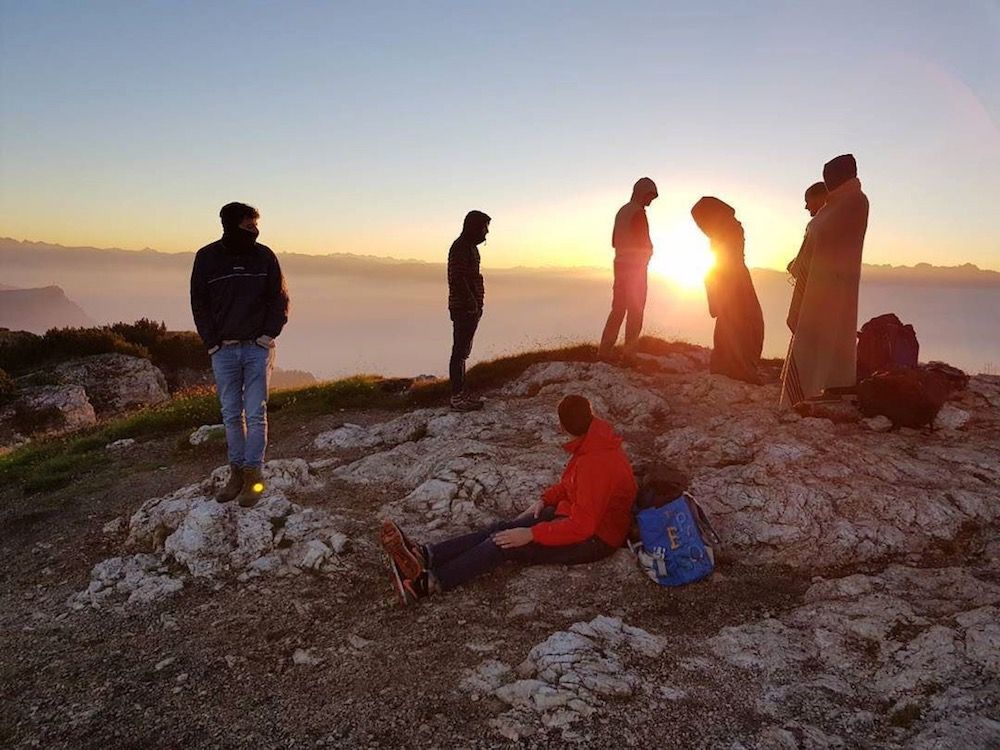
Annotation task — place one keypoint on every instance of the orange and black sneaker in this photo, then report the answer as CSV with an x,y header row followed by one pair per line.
x,y
408,591
408,556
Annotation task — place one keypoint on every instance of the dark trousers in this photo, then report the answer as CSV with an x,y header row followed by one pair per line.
x,y
463,331
628,299
460,559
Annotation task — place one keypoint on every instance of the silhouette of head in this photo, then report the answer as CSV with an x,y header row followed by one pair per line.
x,y
839,170
644,191
476,226
575,415
239,216
716,218
815,197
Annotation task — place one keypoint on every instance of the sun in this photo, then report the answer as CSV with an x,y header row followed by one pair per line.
x,y
682,255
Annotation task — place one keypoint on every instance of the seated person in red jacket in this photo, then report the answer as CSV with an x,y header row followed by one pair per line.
x,y
583,518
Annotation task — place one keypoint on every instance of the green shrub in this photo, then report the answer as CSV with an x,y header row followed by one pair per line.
x,y
26,353
171,350
180,349
144,332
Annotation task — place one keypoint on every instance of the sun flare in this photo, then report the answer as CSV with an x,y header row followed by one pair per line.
x,y
682,255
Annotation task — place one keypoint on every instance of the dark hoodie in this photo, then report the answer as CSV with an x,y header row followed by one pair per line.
x,y
238,292
466,290
596,492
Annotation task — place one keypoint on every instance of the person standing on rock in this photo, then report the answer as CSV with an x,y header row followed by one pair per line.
x,y
732,300
816,195
633,249
583,518
466,294
240,305
823,350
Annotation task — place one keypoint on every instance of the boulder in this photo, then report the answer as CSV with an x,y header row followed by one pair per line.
x,y
45,410
195,536
115,382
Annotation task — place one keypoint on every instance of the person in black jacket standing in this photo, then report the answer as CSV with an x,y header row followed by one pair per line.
x,y
466,293
240,304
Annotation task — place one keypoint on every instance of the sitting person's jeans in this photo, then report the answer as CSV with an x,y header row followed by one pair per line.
x,y
460,559
242,372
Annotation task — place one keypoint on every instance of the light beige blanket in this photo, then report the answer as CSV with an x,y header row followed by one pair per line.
x,y
823,350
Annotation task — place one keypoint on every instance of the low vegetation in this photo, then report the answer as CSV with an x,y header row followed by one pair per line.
x,y
23,352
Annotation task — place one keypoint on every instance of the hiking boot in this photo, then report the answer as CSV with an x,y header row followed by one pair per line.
x,y
408,556
233,486
461,402
253,487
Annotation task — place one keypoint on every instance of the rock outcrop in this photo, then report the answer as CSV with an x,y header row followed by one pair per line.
x,y
187,534
45,410
808,492
567,677
115,383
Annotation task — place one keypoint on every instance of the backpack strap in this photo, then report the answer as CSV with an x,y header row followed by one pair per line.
x,y
702,520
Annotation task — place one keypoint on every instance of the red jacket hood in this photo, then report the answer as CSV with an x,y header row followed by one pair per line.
x,y
601,436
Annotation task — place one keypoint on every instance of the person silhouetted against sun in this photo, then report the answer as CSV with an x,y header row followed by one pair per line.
x,y
633,249
732,300
466,294
823,350
799,265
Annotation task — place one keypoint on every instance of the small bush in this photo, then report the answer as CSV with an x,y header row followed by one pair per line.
x,y
144,332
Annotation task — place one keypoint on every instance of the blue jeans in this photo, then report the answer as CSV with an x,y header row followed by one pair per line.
x,y
460,559
242,372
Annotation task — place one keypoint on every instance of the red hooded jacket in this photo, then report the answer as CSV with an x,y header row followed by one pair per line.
x,y
595,494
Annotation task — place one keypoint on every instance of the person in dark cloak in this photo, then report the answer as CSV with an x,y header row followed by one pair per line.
x,y
732,301
466,294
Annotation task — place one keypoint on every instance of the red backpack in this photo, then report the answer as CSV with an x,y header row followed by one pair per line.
x,y
884,343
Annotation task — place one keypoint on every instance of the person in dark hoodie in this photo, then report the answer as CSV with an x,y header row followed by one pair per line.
x,y
732,300
633,249
582,518
466,294
240,304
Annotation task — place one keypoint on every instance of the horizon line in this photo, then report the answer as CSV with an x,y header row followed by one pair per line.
x,y
967,265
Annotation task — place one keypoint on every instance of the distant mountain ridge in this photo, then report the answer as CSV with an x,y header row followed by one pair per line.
x,y
371,266
38,310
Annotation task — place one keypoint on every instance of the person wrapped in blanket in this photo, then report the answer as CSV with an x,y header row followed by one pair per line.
x,y
732,300
582,518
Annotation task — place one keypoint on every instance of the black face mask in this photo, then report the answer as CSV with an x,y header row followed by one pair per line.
x,y
238,239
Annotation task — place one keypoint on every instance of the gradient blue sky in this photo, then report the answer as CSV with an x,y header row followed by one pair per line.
x,y
373,127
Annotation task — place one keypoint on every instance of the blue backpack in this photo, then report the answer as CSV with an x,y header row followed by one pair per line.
x,y
677,540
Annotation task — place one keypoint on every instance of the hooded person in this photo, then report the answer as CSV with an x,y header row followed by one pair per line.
x,y
633,249
466,295
239,302
732,300
815,199
823,350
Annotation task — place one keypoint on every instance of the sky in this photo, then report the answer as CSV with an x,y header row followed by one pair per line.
x,y
373,127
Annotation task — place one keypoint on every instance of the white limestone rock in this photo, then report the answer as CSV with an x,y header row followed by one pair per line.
x,y
198,537
206,433
115,383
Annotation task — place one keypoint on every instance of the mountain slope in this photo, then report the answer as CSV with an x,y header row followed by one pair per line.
x,y
38,310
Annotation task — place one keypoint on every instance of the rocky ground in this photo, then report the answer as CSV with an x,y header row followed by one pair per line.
x,y
855,605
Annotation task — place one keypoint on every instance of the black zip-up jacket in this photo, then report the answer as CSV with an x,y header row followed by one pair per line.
x,y
466,291
237,296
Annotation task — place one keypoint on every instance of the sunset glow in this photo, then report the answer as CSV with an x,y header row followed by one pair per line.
x,y
682,255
